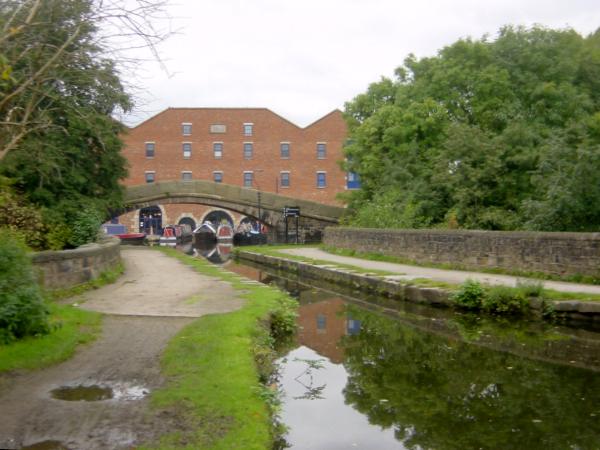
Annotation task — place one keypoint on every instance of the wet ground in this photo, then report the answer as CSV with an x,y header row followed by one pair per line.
x,y
99,399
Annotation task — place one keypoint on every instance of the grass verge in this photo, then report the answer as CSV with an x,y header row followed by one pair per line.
x,y
70,325
216,370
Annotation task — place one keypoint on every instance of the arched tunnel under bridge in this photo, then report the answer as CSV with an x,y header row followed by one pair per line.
x,y
265,206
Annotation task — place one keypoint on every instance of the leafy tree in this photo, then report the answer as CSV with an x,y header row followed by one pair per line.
x,y
492,134
59,86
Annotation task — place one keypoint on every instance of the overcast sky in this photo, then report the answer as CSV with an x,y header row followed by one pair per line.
x,y
302,59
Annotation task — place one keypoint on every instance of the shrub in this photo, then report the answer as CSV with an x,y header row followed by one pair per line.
x,y
283,318
470,295
86,226
504,300
22,309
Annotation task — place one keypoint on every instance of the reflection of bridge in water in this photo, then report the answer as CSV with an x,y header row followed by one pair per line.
x,y
264,206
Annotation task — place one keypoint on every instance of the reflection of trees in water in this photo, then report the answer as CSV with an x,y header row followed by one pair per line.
x,y
446,394
312,392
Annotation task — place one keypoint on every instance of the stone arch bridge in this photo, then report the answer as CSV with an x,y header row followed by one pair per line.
x,y
314,217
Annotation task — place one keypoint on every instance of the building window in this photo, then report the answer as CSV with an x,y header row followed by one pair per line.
x,y
218,150
186,129
284,150
150,146
248,179
150,177
248,150
352,180
248,129
186,176
284,179
321,179
218,177
321,150
187,150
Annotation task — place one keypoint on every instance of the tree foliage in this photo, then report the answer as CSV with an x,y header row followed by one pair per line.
x,y
59,86
491,134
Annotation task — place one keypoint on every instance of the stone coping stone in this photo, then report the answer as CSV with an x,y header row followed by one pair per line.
x,y
91,249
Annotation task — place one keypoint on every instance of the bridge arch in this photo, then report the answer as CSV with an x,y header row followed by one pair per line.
x,y
243,201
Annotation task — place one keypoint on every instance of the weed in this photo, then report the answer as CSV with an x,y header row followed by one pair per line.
x,y
504,300
470,295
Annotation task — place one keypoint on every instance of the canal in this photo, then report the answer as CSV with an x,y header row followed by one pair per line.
x,y
368,373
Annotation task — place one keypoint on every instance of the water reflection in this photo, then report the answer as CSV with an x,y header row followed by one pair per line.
x,y
215,252
388,378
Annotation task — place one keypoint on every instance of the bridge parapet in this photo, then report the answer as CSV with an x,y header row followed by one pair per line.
x,y
235,198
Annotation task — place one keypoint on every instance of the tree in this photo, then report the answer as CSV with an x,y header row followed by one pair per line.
x,y
59,86
475,136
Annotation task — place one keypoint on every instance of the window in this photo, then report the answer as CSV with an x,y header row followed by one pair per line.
x,y
150,146
321,150
186,129
284,149
218,150
248,179
150,177
187,150
186,176
218,177
248,129
352,181
248,150
321,322
284,179
321,179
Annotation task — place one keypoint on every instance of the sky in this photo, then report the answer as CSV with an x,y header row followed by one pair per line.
x,y
303,59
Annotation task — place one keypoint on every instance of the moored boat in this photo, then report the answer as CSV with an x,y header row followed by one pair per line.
x,y
132,238
224,232
205,233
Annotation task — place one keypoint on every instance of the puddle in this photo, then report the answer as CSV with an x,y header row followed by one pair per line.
x,y
46,445
92,393
96,392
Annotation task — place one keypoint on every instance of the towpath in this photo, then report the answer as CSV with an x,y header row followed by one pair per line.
x,y
408,272
155,298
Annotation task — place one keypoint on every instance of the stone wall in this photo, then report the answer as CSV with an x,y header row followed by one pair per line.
x,y
66,268
551,253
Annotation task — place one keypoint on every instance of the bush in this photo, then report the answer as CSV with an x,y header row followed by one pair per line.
x,y
504,300
22,309
470,295
86,226
283,318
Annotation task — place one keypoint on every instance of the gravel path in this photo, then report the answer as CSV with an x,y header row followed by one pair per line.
x,y
448,276
156,298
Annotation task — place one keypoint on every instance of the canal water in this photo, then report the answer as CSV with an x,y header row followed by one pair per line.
x,y
368,373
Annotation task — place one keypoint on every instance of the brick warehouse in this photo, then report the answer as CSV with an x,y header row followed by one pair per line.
x,y
251,147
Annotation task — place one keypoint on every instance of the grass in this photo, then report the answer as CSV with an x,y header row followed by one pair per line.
x,y
213,379
71,327
446,266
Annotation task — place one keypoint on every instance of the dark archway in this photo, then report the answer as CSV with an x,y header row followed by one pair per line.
x,y
189,221
151,220
217,218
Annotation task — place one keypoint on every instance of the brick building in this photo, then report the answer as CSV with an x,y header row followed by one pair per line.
x,y
251,147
